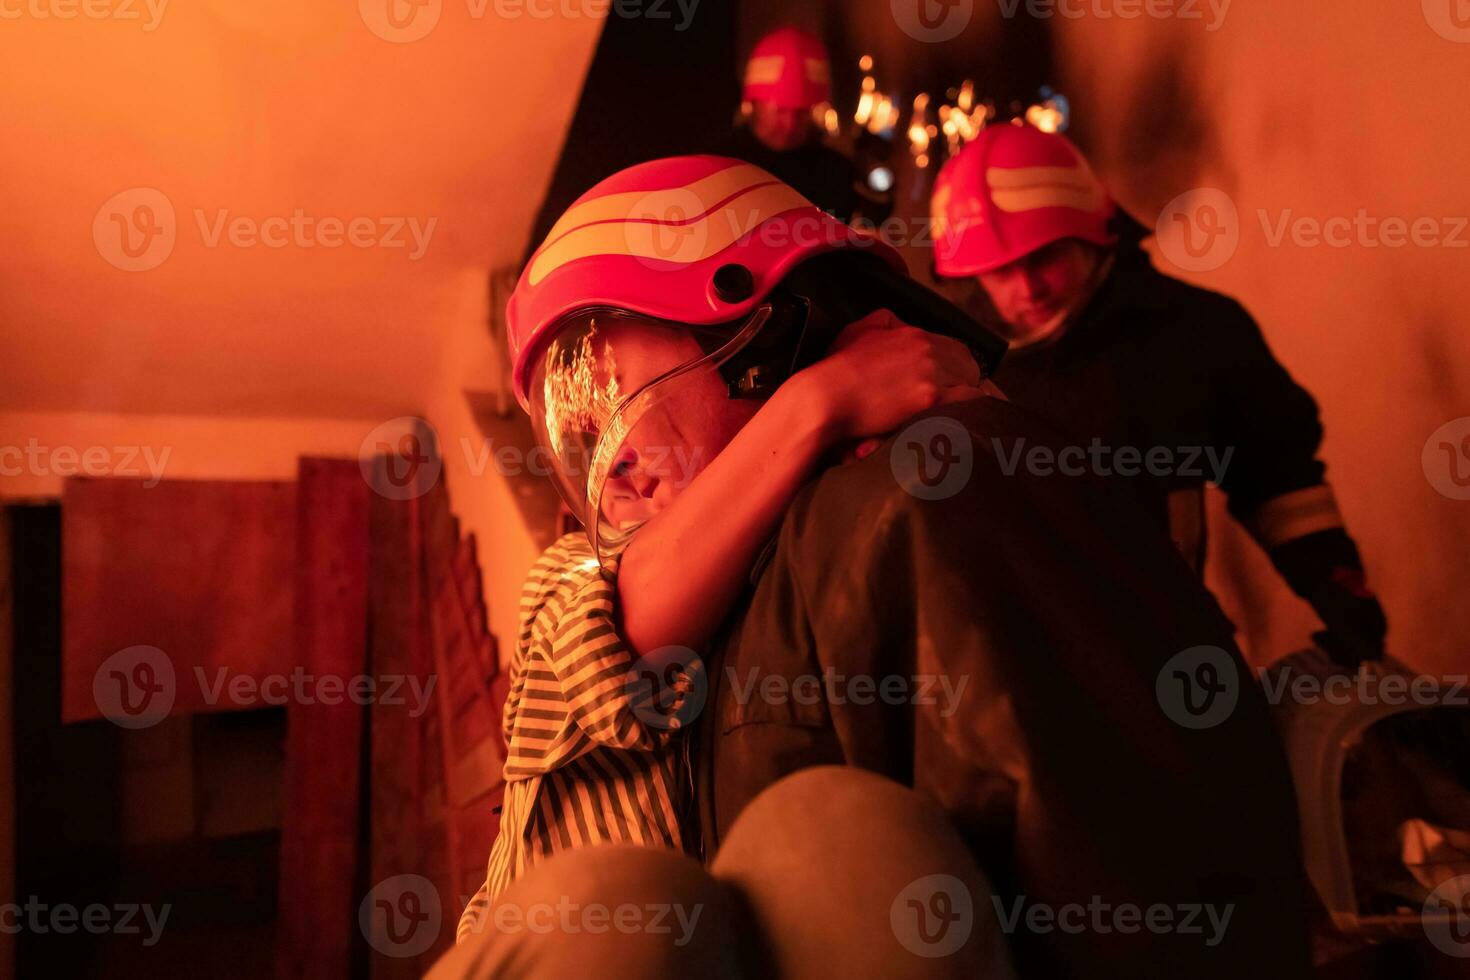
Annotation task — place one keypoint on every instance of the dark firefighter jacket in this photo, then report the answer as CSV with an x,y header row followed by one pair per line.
x,y
1166,386
1081,760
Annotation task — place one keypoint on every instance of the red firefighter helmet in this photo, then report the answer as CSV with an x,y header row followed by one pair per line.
x,y
687,248
1012,190
789,68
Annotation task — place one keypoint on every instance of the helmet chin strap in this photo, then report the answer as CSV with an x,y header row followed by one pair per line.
x,y
784,346
819,298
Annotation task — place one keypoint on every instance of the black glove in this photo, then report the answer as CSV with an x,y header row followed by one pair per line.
x,y
1355,623
1324,569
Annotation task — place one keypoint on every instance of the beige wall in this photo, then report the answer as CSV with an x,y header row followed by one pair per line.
x,y
233,355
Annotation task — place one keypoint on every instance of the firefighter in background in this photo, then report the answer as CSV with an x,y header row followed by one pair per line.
x,y
1123,356
787,90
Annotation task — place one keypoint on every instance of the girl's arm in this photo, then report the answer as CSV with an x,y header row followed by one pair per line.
x,y
685,567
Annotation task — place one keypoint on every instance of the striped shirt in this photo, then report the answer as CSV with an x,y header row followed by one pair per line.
x,y
589,762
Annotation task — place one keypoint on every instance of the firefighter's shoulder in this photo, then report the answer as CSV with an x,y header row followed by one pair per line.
x,y
1211,322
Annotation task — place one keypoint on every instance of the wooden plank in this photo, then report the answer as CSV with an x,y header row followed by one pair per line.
x,y
196,569
448,749
320,826
474,774
436,778
399,837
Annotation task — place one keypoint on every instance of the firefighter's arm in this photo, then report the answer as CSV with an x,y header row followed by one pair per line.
x,y
1277,488
683,571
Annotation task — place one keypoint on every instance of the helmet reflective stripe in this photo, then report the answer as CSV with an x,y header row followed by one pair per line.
x,y
788,68
653,205
680,225
764,71
1012,190
652,240
1029,188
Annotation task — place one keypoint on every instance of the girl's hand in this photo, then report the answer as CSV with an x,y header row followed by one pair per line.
x,y
881,372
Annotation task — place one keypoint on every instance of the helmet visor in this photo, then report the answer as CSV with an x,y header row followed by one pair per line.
x,y
612,399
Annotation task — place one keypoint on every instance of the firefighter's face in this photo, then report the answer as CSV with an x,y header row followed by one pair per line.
x,y
1039,291
780,127
676,439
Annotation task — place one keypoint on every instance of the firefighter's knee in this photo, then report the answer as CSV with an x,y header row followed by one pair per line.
x,y
850,874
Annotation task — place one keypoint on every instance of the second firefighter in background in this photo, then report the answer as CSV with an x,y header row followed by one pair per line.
x,y
785,93
1121,355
